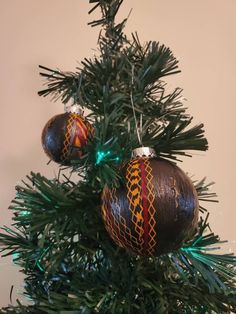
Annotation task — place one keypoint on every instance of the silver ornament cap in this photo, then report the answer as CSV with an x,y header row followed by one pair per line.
x,y
143,152
75,109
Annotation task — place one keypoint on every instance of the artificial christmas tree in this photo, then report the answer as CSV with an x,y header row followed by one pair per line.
x,y
70,262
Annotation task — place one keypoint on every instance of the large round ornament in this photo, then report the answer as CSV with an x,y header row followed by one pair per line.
x,y
155,210
65,135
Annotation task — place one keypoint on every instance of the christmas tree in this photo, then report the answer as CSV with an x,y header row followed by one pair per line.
x,y
126,236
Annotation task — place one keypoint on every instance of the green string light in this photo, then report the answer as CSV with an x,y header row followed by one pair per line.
x,y
101,155
39,260
15,257
39,266
24,213
198,254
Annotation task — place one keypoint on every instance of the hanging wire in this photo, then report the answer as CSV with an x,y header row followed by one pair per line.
x,y
141,127
74,99
132,103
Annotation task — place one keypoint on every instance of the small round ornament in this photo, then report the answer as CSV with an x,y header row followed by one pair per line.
x,y
155,210
65,135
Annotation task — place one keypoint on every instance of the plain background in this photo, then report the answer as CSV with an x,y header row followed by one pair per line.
x,y
55,34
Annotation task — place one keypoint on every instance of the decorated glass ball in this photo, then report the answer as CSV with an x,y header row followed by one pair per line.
x,y
155,210
65,135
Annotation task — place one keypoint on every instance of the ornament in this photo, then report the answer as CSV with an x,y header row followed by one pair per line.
x,y
65,135
155,210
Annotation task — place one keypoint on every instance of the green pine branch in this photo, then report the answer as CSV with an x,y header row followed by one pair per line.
x,y
114,87
71,264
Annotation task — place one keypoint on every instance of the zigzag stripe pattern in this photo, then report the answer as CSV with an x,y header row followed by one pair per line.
x,y
67,140
77,132
126,225
151,210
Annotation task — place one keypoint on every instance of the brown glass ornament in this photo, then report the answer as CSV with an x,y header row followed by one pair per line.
x,y
64,137
154,211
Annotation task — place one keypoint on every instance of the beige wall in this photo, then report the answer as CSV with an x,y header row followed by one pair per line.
x,y
54,33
